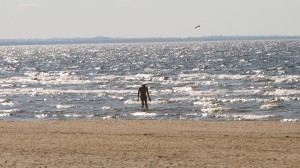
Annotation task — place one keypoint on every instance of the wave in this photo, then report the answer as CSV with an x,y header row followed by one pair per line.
x,y
214,81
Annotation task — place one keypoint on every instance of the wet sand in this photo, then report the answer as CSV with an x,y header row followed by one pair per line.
x,y
114,143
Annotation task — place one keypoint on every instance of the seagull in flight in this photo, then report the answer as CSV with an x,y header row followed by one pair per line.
x,y
197,26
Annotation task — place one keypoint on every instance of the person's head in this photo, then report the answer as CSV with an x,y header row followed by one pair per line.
x,y
144,85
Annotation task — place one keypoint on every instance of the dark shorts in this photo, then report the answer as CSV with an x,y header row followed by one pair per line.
x,y
143,98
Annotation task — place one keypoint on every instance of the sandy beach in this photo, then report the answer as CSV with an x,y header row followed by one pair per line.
x,y
144,143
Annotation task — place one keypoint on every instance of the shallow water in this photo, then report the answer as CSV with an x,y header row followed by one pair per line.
x,y
236,80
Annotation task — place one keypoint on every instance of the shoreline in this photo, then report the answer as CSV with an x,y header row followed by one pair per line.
x,y
149,143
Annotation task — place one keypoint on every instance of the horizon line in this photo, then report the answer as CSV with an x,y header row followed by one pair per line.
x,y
103,39
161,37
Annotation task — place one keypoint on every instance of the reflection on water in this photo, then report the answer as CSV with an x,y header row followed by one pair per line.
x,y
237,80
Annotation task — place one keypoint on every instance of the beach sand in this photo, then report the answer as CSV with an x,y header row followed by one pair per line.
x,y
147,143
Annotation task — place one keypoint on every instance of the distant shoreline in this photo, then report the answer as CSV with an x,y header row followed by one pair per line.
x,y
99,40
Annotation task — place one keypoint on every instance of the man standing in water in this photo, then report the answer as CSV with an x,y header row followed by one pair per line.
x,y
144,93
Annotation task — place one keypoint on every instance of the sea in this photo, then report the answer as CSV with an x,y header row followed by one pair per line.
x,y
240,80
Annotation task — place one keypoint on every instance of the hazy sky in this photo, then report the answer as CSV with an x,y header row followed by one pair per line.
x,y
147,18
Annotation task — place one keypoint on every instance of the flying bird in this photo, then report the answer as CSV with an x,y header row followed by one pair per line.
x,y
197,26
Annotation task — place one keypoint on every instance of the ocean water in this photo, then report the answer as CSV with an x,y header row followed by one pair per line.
x,y
224,81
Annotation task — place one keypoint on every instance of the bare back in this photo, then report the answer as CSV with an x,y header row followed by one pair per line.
x,y
143,91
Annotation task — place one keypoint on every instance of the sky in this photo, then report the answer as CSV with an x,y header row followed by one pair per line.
x,y
26,19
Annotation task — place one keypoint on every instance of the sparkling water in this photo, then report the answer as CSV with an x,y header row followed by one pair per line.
x,y
233,80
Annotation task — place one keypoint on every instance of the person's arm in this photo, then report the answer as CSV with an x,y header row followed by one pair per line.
x,y
138,94
148,95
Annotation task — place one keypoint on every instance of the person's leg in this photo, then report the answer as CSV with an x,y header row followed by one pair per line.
x,y
146,104
142,103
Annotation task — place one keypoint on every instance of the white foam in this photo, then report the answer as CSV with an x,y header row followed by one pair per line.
x,y
102,94
192,114
243,100
116,97
41,116
250,117
132,86
107,117
143,77
257,71
216,109
90,116
107,77
269,106
276,99
282,92
215,115
2,100
191,77
286,78
6,85
144,114
10,111
165,91
45,78
208,83
59,106
205,104
208,102
231,77
41,91
210,92
180,99
159,101
110,117
182,89
7,103
11,60
290,120
107,107
198,103
111,91
73,115
131,101
5,115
